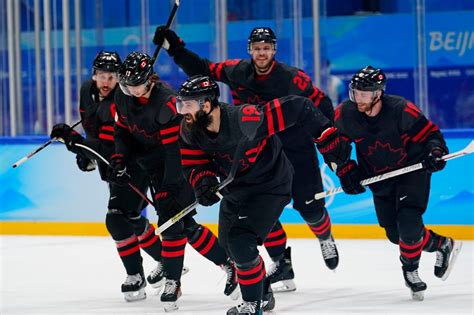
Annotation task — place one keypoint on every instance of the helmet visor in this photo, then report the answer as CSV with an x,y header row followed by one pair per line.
x,y
358,96
188,106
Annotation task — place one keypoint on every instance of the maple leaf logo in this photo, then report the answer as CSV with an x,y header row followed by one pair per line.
x,y
382,157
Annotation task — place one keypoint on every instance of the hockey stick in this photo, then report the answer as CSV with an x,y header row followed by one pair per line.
x,y
467,150
133,187
168,25
216,190
29,156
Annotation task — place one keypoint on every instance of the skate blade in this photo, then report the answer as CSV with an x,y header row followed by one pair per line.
x,y
158,285
170,306
185,270
418,296
454,255
134,296
284,286
235,294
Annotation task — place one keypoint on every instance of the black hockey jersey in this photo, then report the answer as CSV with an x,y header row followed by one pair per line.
x,y
249,88
98,122
398,136
261,162
148,131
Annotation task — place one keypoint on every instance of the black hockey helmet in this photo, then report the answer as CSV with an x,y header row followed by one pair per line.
x,y
107,61
136,69
262,34
368,79
199,86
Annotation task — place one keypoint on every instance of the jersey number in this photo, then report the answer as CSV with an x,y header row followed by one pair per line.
x,y
250,113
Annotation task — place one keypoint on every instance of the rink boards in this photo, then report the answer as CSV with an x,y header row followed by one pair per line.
x,y
48,195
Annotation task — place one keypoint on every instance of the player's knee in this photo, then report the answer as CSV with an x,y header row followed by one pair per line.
x,y
118,224
313,214
193,232
242,245
248,264
392,234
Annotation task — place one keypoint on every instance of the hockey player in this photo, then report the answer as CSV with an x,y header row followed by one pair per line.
x,y
146,132
257,81
213,136
390,132
128,228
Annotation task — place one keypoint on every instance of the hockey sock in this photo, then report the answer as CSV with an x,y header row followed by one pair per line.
x,y
172,254
275,243
251,280
150,242
410,252
321,228
206,244
129,252
434,243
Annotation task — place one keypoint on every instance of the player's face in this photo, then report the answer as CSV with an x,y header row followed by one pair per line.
x,y
364,100
262,55
105,81
139,90
188,108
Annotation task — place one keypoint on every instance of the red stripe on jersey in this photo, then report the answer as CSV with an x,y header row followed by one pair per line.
x,y
281,123
411,112
250,118
237,101
169,140
104,136
212,69
268,113
219,71
108,128
413,106
422,132
186,162
432,129
337,113
82,110
169,130
120,124
191,152
172,107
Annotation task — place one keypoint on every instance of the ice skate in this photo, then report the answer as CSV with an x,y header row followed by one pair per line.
x,y
231,285
329,251
156,278
170,295
133,288
246,308
415,284
268,301
281,274
446,257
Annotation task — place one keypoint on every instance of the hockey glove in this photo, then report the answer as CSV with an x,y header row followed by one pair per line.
x,y
117,172
66,134
433,162
350,178
205,191
166,202
168,39
84,164
333,147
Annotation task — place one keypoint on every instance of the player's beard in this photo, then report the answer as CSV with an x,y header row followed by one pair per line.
x,y
200,122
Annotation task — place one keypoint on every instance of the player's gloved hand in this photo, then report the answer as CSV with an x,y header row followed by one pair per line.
x,y
84,164
64,133
117,172
333,147
168,39
350,178
166,201
433,162
205,191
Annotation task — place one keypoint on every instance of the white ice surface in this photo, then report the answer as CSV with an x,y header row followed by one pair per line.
x,y
82,275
